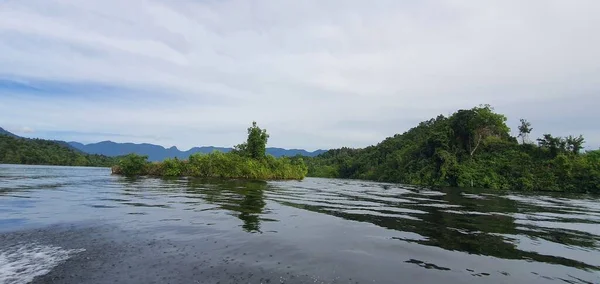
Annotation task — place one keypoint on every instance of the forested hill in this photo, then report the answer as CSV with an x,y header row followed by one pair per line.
x,y
471,148
17,150
4,132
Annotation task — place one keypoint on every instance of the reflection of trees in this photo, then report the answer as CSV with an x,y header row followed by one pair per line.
x,y
474,234
244,198
131,185
484,234
250,209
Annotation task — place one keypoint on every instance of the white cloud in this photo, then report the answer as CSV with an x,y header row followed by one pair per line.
x,y
314,73
26,129
22,130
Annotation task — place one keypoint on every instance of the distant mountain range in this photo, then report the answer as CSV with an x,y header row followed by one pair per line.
x,y
159,153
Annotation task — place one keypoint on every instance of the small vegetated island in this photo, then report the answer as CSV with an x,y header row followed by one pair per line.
x,y
247,161
470,148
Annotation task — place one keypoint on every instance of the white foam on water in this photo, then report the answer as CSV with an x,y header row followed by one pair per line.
x,y
20,264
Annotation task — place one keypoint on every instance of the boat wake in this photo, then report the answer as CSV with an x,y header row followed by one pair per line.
x,y
22,263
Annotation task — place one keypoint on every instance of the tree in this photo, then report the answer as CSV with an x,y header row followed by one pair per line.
x,y
524,130
574,144
256,144
473,126
554,144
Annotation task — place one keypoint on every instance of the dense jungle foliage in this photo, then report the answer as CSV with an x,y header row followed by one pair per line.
x,y
471,148
248,160
17,150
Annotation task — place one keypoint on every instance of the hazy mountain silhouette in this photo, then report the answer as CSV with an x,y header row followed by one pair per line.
x,y
159,153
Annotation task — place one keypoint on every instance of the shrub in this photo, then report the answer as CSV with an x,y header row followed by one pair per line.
x,y
172,167
132,165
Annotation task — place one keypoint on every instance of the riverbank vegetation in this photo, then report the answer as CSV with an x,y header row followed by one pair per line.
x,y
248,161
18,150
471,148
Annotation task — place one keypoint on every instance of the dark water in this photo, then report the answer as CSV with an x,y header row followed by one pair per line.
x,y
82,225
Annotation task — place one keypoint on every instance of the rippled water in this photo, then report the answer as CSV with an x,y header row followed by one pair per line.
x,y
83,225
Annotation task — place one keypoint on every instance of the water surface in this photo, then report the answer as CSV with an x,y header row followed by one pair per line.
x,y
83,225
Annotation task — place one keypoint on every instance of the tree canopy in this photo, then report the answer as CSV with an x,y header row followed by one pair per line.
x,y
471,127
256,144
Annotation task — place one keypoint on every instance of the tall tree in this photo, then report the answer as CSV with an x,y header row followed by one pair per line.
x,y
256,144
524,130
473,126
554,144
574,144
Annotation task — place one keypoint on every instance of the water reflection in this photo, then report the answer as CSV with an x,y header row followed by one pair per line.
x,y
245,199
475,222
472,222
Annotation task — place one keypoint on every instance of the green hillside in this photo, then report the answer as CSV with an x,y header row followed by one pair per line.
x,y
17,150
471,148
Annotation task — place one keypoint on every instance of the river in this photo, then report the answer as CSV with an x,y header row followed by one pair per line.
x,y
84,225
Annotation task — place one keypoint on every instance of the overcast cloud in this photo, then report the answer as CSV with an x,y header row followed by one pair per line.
x,y
316,74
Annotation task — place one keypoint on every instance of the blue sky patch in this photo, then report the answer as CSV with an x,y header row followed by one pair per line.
x,y
57,88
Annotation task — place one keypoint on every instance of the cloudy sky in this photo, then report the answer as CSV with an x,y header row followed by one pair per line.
x,y
315,73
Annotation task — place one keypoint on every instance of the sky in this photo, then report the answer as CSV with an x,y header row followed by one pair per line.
x,y
317,74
